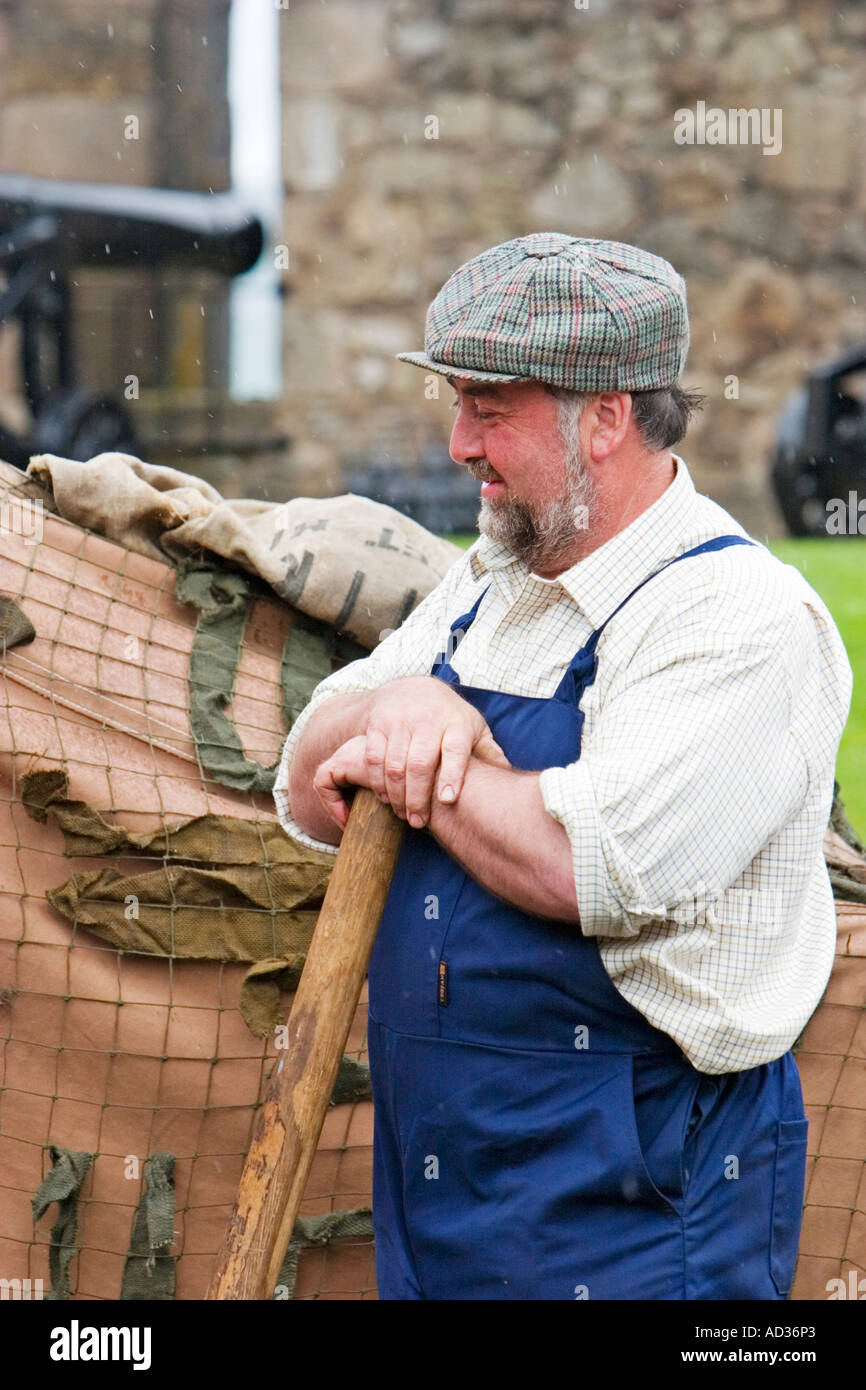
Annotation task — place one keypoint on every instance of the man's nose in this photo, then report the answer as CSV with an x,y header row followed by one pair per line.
x,y
466,443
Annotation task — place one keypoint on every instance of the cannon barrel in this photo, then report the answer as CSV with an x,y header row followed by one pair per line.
x,y
100,224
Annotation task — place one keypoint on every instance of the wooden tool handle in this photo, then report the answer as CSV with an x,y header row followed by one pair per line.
x,y
290,1121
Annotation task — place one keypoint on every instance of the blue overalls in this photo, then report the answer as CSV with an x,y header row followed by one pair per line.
x,y
535,1136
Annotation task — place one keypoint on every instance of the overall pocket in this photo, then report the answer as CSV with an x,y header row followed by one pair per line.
x,y
787,1212
526,1181
668,1103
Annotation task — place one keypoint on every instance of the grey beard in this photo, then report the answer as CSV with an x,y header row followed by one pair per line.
x,y
540,535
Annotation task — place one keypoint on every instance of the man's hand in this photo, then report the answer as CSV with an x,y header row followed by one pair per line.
x,y
418,733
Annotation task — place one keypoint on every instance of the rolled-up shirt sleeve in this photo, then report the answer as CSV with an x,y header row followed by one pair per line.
x,y
693,765
409,651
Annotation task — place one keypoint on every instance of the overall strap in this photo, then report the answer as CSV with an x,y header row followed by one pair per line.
x,y
717,543
467,619
459,625
584,663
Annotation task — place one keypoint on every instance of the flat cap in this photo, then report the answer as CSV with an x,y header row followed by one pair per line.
x,y
574,312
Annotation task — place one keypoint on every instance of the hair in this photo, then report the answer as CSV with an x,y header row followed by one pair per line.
x,y
661,417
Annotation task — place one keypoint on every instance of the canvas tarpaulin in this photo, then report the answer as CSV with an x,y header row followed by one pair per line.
x,y
353,563
224,889
149,1272
62,1185
320,1230
16,629
224,602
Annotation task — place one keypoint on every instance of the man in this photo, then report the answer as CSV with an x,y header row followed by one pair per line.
x,y
612,731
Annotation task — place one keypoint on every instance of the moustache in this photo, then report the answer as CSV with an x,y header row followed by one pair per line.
x,y
483,472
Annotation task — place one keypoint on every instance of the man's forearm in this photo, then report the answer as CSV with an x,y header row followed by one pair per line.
x,y
502,835
340,718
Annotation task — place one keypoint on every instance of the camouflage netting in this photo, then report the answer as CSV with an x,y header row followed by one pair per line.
x,y
154,921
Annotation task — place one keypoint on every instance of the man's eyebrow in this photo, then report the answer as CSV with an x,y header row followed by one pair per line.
x,y
482,388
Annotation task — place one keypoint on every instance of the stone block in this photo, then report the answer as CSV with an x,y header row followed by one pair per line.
x,y
818,146
761,56
815,20
516,124
475,117
593,102
710,30
78,137
517,66
667,37
645,102
686,246
79,48
424,167
462,117
520,12
759,221
851,20
754,11
754,313
415,41
587,196
397,227
311,142
340,46
312,348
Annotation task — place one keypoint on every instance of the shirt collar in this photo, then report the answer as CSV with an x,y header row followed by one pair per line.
x,y
606,576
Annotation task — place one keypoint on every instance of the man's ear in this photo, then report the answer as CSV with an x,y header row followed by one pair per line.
x,y
607,422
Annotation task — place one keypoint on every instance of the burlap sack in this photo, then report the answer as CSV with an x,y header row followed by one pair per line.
x,y
356,564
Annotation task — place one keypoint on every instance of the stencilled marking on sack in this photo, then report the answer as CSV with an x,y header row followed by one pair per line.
x,y
298,530
406,548
351,599
408,604
291,586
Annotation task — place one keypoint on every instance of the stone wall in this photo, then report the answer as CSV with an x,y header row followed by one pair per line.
x,y
417,132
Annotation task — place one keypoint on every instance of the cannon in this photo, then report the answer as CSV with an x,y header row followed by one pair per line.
x,y
48,228
820,454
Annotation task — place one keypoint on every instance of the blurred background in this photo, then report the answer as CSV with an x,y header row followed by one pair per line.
x,y
380,143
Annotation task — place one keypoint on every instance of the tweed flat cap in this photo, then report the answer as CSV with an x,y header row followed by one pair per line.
x,y
574,312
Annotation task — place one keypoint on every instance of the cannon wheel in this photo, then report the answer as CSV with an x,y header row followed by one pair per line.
x,y
80,424
798,495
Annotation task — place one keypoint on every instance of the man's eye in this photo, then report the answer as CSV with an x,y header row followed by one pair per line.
x,y
479,414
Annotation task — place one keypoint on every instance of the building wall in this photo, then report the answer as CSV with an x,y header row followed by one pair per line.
x,y
417,132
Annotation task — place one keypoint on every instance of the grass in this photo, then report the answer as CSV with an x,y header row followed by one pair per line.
x,y
836,570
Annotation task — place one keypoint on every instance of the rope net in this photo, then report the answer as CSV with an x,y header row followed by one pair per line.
x,y
130,1078
152,920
